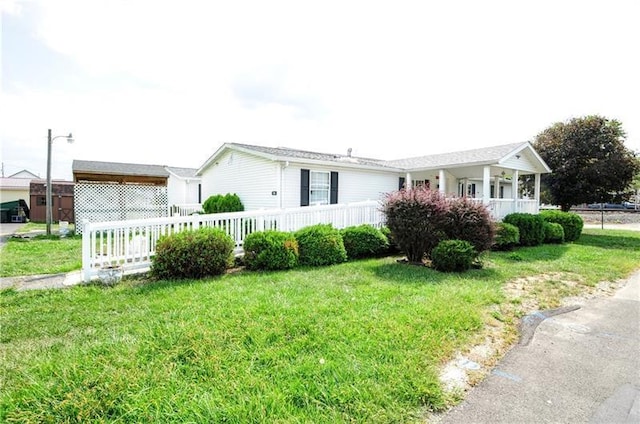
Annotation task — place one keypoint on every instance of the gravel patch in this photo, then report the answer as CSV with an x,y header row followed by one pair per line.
x,y
595,217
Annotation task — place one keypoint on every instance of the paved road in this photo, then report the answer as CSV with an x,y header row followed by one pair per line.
x,y
580,367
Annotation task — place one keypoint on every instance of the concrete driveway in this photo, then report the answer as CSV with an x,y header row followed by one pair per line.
x,y
9,228
580,367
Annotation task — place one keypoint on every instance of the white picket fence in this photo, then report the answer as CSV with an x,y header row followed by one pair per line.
x,y
131,244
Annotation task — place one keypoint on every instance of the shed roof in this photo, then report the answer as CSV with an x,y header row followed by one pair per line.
x,y
116,168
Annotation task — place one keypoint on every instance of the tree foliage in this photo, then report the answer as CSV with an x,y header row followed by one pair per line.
x,y
588,159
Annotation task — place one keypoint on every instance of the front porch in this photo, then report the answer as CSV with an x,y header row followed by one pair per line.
x,y
502,190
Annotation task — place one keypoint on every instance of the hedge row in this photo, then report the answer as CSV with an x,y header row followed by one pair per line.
x,y
209,251
535,229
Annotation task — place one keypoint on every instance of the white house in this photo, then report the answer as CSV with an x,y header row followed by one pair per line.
x,y
266,177
16,187
183,186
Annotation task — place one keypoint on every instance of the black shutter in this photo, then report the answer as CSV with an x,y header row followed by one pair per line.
x,y
401,183
304,187
333,197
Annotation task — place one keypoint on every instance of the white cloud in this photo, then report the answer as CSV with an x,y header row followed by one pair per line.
x,y
387,79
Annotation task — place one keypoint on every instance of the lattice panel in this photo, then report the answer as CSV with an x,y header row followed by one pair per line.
x,y
116,202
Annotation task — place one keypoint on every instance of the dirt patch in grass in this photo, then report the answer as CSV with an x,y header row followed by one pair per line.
x,y
524,296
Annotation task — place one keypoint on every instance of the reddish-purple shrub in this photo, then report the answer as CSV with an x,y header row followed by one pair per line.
x,y
417,219
470,221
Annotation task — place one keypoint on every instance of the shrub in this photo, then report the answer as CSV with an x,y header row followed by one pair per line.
x,y
320,244
270,250
453,256
507,236
393,246
364,241
219,203
470,221
572,223
553,232
193,254
416,218
531,227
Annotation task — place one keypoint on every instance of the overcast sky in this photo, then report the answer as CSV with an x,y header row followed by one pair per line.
x,y
167,82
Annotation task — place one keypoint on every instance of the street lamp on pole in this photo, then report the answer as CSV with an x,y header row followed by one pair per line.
x,y
49,199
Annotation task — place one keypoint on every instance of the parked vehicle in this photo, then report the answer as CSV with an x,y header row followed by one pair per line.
x,y
605,206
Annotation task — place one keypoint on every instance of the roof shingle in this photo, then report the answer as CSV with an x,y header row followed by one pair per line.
x,y
116,168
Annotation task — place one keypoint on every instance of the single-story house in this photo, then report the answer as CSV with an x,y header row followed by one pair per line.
x,y
16,186
268,177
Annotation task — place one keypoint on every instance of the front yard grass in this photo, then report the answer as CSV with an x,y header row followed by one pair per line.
x,y
359,342
40,255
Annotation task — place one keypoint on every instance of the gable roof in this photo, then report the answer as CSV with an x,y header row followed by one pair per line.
x,y
182,172
116,168
466,157
494,155
305,156
24,174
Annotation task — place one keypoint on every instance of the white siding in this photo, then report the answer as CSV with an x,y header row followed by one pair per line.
x,y
182,190
13,195
526,163
353,185
252,178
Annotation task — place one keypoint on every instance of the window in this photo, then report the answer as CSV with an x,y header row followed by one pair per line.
x,y
471,190
41,200
319,186
421,183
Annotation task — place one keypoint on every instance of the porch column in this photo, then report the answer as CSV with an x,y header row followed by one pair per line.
x,y
407,181
496,187
514,184
486,184
536,191
442,182
465,187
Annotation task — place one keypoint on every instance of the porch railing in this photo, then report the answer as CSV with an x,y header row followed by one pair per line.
x,y
131,244
185,209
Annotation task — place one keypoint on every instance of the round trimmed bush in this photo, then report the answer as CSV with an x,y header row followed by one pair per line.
x,y
553,233
531,227
572,223
470,221
320,244
453,256
364,241
193,254
270,250
219,203
507,236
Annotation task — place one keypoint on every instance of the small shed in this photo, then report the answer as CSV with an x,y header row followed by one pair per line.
x,y
113,191
62,201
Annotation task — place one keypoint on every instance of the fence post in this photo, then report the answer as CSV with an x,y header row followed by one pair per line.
x,y
86,250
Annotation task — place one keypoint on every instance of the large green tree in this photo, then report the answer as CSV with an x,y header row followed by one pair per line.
x,y
588,160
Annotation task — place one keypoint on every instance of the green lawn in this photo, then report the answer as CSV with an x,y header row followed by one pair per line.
x,y
358,342
39,255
